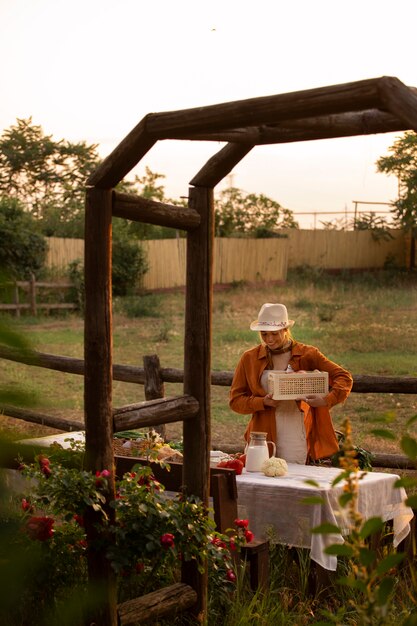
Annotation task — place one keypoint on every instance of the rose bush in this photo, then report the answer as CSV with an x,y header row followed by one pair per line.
x,y
152,534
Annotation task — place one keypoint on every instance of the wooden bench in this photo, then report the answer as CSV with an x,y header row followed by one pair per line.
x,y
223,490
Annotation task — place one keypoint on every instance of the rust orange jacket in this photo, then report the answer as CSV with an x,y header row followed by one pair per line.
x,y
247,394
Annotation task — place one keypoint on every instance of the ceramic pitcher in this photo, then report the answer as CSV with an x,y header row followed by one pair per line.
x,y
257,451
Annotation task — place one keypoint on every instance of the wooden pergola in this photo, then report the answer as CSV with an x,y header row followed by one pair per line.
x,y
370,106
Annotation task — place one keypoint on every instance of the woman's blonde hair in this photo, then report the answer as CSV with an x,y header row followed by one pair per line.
x,y
287,335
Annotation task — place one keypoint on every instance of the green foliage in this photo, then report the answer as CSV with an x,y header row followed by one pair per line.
x,y
151,536
128,266
402,162
376,224
46,176
128,261
76,275
250,215
22,246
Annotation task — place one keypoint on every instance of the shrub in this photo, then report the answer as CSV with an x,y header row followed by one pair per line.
x,y
151,537
22,246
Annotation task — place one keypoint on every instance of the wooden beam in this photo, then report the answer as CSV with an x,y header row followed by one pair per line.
x,y
400,100
168,601
362,383
51,421
197,367
123,158
303,129
153,412
98,393
220,165
140,209
354,96
98,344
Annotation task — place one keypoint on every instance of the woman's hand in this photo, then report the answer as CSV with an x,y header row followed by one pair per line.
x,y
315,400
269,401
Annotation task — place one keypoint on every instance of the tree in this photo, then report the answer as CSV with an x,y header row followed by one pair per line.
x,y
22,246
402,162
240,214
46,176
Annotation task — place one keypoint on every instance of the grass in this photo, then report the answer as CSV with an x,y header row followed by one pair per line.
x,y
365,322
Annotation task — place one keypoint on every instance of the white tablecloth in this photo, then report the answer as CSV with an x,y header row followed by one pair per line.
x,y
275,509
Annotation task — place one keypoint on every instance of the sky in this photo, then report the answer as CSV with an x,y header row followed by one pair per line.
x,y
92,69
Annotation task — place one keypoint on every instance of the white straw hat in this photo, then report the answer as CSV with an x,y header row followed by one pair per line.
x,y
272,317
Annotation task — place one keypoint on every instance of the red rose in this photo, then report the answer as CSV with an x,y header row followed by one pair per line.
x,y
167,541
216,541
26,505
249,535
79,519
46,470
40,528
242,523
105,473
230,575
43,461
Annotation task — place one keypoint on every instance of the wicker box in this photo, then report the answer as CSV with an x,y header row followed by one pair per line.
x,y
292,386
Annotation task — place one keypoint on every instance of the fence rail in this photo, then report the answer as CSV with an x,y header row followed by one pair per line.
x,y
152,377
32,287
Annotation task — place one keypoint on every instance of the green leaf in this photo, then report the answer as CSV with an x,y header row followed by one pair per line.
x,y
325,529
366,556
384,591
312,500
382,432
409,446
345,498
406,482
340,477
411,420
412,502
371,526
392,560
339,549
312,482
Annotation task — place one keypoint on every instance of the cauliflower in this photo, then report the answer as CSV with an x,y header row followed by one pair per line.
x,y
274,467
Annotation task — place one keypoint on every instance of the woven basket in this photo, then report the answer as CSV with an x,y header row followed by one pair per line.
x,y
285,386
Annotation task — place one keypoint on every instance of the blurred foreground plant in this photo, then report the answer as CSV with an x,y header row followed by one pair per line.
x,y
372,573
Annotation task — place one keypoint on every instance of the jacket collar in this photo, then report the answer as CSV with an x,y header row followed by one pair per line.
x,y
295,350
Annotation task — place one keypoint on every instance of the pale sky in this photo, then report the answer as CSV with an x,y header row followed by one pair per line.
x,y
92,69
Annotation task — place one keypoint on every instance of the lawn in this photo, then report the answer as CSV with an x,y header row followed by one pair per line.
x,y
366,322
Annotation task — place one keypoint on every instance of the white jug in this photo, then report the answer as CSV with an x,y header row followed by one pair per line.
x,y
257,451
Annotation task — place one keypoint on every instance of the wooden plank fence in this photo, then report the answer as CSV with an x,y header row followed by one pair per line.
x,y
257,260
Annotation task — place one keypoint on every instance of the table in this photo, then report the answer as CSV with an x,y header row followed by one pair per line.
x,y
275,509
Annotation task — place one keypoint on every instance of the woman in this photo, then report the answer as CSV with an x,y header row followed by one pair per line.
x,y
302,430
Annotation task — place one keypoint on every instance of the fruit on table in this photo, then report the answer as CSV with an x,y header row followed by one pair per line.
x,y
234,464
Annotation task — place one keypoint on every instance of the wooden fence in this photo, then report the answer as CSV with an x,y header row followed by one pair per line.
x,y
32,301
152,376
256,260
345,249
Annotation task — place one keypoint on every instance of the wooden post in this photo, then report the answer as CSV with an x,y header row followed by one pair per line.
x,y
32,295
16,299
154,385
98,389
197,366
